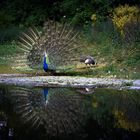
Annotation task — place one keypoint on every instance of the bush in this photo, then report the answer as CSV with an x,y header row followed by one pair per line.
x,y
123,15
8,34
5,19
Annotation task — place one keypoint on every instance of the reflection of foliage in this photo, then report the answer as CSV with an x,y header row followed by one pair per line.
x,y
117,109
127,112
123,121
3,116
58,112
65,112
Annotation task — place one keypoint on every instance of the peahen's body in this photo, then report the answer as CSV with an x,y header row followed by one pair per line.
x,y
56,47
88,60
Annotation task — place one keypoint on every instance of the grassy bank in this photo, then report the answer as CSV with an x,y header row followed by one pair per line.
x,y
115,56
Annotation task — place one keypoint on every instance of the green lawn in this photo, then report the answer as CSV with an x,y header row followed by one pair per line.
x,y
115,59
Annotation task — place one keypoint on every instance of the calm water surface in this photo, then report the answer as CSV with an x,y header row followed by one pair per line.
x,y
68,114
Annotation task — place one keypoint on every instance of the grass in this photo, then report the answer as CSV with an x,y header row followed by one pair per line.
x,y
7,49
115,57
5,69
103,72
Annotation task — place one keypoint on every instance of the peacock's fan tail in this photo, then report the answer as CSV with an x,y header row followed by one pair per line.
x,y
56,109
60,41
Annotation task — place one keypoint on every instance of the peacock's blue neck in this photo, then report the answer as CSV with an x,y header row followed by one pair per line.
x,y
45,65
45,93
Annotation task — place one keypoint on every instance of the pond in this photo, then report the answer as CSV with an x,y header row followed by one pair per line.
x,y
68,113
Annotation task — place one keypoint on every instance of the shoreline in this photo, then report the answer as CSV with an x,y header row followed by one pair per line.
x,y
67,81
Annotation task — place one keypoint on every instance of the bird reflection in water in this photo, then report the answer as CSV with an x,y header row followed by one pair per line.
x,y
46,96
60,111
86,90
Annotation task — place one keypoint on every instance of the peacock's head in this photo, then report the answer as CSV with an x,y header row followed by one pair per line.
x,y
45,54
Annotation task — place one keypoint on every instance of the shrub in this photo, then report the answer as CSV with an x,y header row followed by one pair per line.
x,y
5,19
8,34
123,15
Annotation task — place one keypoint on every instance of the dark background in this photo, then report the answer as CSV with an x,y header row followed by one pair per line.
x,y
35,12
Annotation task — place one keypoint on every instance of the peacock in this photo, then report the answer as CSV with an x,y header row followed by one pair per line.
x,y
56,46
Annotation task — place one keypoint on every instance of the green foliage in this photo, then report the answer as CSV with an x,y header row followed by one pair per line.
x,y
104,40
133,61
79,12
124,14
35,12
115,57
132,31
26,12
8,49
5,19
8,34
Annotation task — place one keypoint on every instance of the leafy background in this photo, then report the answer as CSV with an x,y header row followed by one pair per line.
x,y
111,38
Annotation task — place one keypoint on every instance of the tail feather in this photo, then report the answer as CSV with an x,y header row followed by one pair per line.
x,y
59,41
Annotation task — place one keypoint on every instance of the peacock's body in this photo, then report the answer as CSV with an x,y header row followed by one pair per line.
x,y
45,63
56,47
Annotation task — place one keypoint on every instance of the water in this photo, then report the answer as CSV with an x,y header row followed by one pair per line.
x,y
68,113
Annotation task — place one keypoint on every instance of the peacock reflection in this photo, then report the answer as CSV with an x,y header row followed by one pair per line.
x,y
67,113
55,109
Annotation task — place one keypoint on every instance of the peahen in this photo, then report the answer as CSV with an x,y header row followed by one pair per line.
x,y
57,46
88,60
